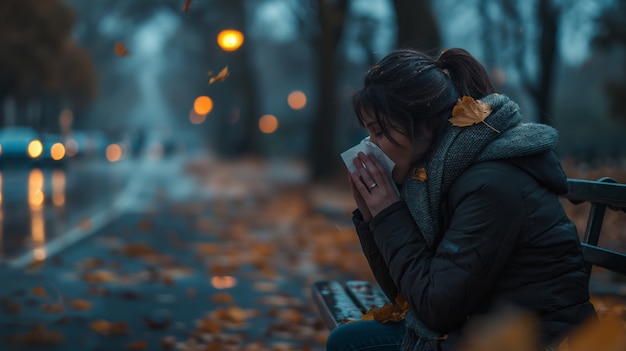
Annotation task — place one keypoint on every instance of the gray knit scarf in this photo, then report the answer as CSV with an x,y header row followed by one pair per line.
x,y
457,150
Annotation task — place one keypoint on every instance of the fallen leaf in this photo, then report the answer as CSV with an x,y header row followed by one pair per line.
x,y
187,5
168,342
120,50
37,336
468,112
10,306
39,291
104,327
52,308
81,305
137,345
223,297
100,276
389,312
221,76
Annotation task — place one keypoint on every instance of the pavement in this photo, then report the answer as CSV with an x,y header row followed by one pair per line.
x,y
195,254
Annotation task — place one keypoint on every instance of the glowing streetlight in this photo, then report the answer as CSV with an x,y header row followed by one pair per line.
x,y
230,39
268,124
296,100
202,105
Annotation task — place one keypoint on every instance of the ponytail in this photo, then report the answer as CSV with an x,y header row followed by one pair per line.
x,y
467,74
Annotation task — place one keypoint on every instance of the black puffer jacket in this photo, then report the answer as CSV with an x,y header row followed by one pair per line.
x,y
506,241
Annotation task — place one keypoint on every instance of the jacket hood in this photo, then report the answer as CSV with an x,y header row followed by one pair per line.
x,y
545,168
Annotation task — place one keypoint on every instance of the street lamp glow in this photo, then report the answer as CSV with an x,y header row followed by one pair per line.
x,y
296,100
202,105
230,39
268,124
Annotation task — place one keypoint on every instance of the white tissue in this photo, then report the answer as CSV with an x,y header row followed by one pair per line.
x,y
367,147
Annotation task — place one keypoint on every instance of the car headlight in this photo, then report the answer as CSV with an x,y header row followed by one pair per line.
x,y
35,148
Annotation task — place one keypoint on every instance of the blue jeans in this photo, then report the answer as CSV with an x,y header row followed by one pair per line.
x,y
366,336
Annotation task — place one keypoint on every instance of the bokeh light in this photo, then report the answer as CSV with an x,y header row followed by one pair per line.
x,y
268,124
195,118
71,147
296,100
66,118
36,195
57,151
114,153
203,105
58,187
230,39
35,149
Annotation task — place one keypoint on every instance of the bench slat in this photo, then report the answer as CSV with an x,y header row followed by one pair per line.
x,y
605,258
334,303
604,191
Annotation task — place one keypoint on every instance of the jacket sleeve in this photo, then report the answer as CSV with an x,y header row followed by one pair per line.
x,y
377,264
445,286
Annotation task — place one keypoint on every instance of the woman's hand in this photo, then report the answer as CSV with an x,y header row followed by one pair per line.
x,y
373,191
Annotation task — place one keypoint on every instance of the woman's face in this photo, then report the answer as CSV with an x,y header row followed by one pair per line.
x,y
405,153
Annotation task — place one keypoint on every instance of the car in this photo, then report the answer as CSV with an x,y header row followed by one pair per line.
x,y
20,145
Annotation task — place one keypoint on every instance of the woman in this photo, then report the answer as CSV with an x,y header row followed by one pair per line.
x,y
476,222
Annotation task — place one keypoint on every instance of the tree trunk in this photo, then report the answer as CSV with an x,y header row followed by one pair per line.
x,y
417,26
324,158
236,139
542,92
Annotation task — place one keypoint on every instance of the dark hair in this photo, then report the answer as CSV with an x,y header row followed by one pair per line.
x,y
409,90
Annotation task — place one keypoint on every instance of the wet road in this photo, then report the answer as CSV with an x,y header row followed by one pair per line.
x,y
40,204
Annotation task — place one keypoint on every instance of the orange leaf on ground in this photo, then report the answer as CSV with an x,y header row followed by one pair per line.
x,y
104,327
137,345
37,336
39,291
81,305
223,297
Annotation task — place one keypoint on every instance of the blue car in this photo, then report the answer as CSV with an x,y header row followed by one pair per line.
x,y
19,145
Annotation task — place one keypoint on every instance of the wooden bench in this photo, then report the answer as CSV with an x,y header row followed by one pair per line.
x,y
340,303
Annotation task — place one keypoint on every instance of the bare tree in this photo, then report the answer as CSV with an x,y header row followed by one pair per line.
x,y
417,25
612,34
505,42
35,51
331,16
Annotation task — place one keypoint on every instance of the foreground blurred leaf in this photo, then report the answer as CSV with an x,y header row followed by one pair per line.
x,y
187,5
120,49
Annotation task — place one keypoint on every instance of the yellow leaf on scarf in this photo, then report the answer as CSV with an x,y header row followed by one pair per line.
x,y
419,174
468,112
